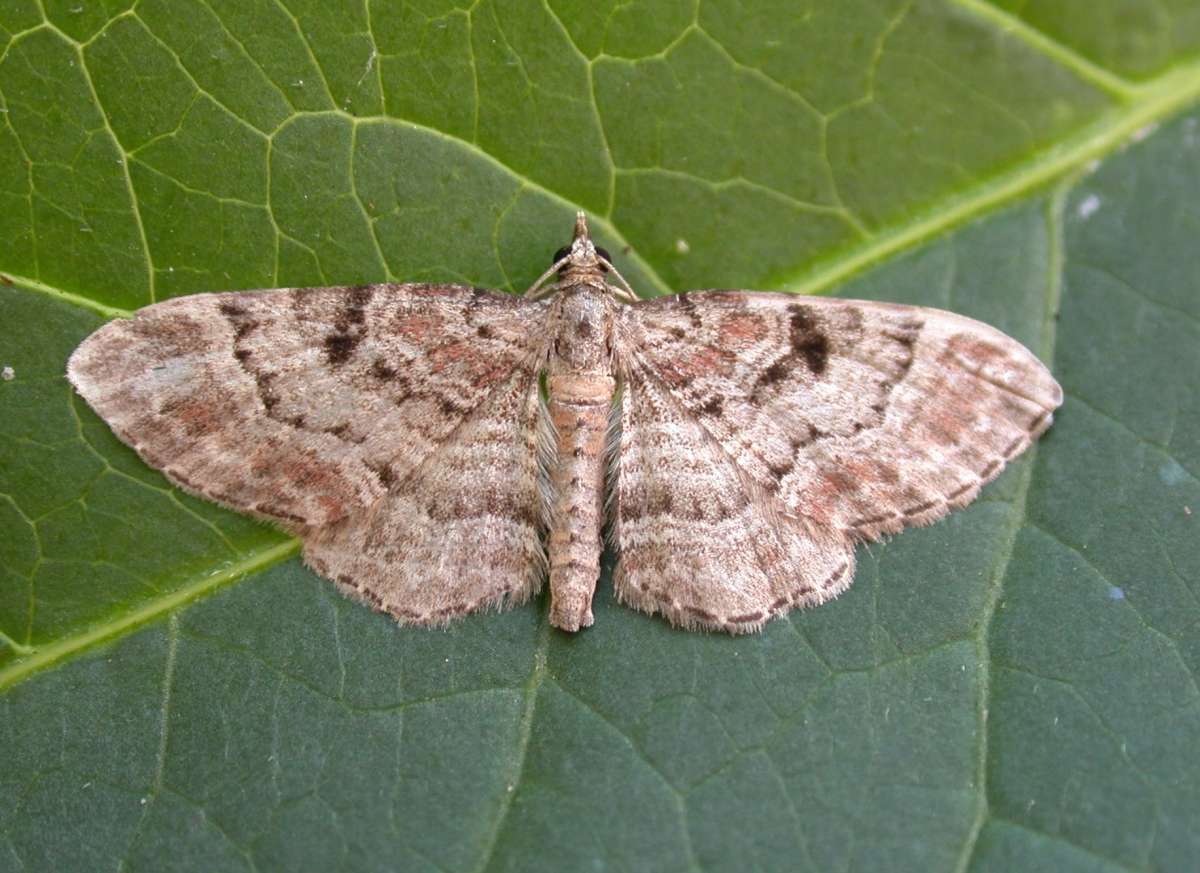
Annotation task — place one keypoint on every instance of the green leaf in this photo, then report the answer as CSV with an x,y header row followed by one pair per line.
x,y
1012,688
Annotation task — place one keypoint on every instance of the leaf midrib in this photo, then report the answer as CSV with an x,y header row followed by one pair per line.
x,y
1110,130
1148,104
199,586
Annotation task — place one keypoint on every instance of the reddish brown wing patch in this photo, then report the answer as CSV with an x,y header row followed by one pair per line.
x,y
290,403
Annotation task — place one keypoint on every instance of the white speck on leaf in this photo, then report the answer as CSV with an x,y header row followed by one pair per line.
x,y
8,374
1172,473
682,247
1116,593
1142,132
370,66
1088,206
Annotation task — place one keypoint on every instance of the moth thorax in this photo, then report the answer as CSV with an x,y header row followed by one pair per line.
x,y
573,273
584,327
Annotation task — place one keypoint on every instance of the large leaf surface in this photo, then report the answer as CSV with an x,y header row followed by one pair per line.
x,y
1013,688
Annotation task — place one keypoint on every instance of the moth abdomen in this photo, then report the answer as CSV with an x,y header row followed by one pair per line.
x,y
578,410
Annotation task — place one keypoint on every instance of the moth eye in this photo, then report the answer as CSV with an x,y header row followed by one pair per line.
x,y
561,253
605,258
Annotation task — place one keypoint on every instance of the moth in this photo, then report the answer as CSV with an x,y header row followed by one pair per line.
x,y
442,449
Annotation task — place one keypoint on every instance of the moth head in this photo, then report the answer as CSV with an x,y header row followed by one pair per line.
x,y
582,253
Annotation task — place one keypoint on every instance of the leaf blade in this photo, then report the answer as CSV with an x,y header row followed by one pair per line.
x,y
1014,685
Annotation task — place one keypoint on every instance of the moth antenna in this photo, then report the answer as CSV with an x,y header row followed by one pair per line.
x,y
554,268
627,294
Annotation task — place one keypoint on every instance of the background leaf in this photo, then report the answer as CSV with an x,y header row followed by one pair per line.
x,y
1013,688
